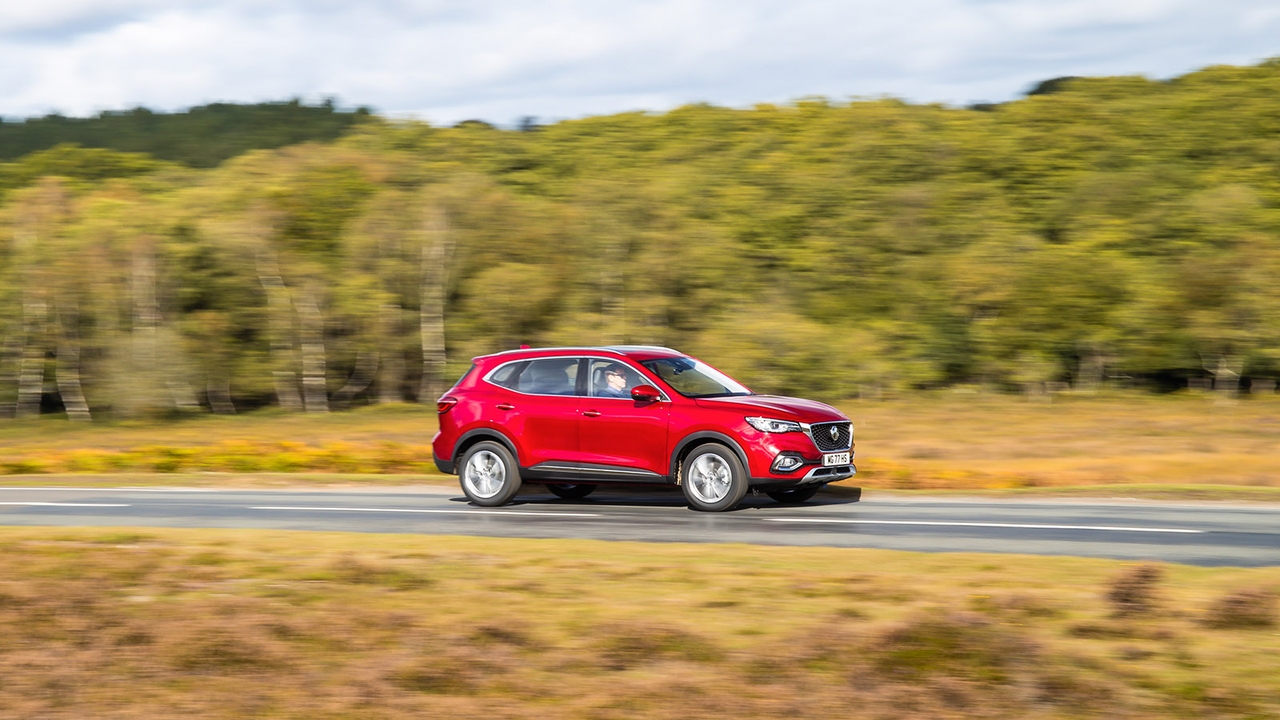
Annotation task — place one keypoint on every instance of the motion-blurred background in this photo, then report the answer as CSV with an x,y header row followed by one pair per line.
x,y
1074,233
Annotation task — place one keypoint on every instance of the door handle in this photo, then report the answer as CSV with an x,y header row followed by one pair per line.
x,y
506,406
591,413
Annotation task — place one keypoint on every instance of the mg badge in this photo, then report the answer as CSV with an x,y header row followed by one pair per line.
x,y
835,432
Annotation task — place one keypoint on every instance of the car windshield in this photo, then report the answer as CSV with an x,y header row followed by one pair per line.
x,y
695,379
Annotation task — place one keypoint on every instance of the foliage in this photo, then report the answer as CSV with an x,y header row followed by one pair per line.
x,y
202,136
1106,230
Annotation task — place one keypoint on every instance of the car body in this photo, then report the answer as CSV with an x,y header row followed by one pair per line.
x,y
578,418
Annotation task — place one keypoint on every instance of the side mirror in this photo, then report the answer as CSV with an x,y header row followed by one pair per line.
x,y
645,393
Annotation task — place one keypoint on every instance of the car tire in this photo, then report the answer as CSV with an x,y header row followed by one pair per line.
x,y
713,478
794,495
489,474
570,491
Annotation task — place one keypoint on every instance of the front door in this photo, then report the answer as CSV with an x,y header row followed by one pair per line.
x,y
619,438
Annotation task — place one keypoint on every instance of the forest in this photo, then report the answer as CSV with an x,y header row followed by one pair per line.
x,y
1099,232
202,136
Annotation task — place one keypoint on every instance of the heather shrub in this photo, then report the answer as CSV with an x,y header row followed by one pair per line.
x,y
1253,608
1133,592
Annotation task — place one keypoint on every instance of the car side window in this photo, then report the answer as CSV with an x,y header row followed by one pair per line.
x,y
610,378
549,376
508,375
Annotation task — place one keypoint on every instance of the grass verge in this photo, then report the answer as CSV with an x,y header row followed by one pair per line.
x,y
1178,447
145,623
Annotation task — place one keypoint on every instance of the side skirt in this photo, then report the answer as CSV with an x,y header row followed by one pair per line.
x,y
571,472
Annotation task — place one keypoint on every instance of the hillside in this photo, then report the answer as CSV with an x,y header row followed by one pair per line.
x,y
1112,231
200,137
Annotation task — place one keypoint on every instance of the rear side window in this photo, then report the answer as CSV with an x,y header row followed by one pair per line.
x,y
549,376
508,376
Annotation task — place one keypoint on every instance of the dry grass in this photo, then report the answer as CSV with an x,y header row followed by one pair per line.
x,y
983,441
160,623
1177,446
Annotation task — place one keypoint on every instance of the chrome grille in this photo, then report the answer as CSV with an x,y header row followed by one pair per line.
x,y
827,441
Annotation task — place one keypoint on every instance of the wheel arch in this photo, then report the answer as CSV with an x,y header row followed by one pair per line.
x,y
478,435
693,440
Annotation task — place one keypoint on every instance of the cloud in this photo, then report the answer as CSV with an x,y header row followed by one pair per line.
x,y
502,59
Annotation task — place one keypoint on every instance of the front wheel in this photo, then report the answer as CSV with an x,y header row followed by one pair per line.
x,y
489,476
570,491
794,495
712,478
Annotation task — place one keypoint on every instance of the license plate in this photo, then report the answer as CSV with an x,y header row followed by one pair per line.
x,y
835,459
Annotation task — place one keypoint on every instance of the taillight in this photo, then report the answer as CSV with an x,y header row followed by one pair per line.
x,y
444,403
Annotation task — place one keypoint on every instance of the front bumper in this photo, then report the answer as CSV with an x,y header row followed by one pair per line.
x,y
829,474
817,475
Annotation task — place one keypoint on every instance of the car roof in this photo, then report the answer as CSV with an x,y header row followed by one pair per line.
x,y
634,352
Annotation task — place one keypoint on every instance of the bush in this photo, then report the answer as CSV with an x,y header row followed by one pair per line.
x,y
1133,592
624,646
23,466
1243,609
955,644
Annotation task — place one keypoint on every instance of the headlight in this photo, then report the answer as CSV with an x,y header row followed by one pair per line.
x,y
771,425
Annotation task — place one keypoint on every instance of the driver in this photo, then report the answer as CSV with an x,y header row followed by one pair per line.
x,y
615,377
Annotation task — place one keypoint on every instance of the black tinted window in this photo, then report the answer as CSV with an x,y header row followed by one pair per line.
x,y
549,376
508,376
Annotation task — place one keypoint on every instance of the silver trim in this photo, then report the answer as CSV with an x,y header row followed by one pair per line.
x,y
831,474
578,469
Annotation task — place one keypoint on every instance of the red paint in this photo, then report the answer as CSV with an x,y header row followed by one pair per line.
x,y
641,431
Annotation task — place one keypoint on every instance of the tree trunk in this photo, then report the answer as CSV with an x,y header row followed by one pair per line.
x,y
1226,378
184,396
68,369
279,320
143,393
1090,372
437,253
391,377
218,390
311,326
31,376
10,364
361,378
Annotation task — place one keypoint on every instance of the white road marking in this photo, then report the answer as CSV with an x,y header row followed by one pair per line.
x,y
1018,526
57,504
418,510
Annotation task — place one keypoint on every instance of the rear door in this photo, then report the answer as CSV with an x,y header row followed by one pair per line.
x,y
540,409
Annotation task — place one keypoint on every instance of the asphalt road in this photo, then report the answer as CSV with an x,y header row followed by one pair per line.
x,y
1206,534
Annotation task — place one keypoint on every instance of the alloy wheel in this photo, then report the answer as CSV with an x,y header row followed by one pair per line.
x,y
710,478
485,474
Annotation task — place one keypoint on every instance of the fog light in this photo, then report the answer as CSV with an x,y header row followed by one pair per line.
x,y
786,462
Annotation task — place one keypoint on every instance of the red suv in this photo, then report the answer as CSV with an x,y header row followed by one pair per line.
x,y
577,418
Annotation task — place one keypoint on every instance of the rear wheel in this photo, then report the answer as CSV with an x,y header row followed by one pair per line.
x,y
713,478
794,495
489,474
570,491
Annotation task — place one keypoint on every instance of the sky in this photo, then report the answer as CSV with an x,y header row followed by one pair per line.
x,y
499,60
